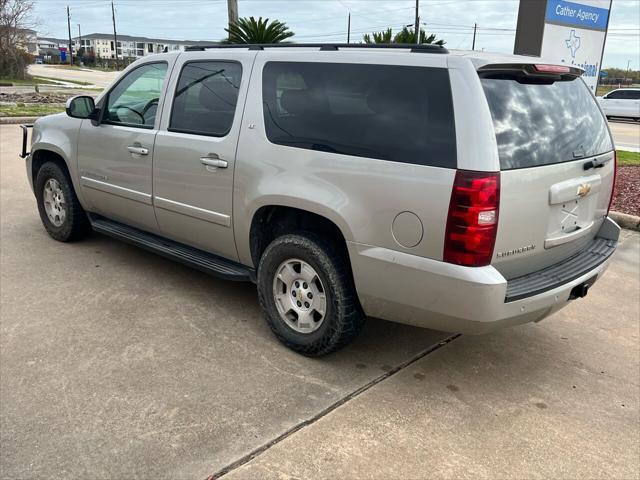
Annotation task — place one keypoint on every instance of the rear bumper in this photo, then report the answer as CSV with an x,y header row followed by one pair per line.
x,y
428,293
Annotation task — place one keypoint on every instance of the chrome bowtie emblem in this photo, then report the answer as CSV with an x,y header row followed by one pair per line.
x,y
584,189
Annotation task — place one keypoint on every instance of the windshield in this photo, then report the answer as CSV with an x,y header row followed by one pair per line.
x,y
544,123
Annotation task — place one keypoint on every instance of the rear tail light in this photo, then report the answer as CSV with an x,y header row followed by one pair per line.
x,y
615,174
473,218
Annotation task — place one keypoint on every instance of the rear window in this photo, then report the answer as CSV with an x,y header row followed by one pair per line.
x,y
541,124
387,112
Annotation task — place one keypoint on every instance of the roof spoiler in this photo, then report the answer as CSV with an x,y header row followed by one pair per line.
x,y
531,70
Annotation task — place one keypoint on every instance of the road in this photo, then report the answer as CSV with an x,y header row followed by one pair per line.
x,y
94,77
117,363
626,134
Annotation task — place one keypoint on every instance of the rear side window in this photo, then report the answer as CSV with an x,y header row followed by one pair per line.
x,y
206,97
388,112
545,123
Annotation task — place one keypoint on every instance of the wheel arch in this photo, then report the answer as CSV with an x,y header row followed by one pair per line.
x,y
43,153
273,219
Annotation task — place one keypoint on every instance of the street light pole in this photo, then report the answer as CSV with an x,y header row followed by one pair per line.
x,y
473,46
416,28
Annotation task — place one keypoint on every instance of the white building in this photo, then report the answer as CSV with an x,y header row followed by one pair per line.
x,y
101,45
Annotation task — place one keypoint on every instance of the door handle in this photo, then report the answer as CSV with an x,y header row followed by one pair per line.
x,y
138,150
212,160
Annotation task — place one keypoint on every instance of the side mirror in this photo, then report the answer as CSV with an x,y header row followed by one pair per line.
x,y
82,106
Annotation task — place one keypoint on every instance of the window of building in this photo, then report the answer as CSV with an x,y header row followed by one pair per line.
x,y
388,112
206,97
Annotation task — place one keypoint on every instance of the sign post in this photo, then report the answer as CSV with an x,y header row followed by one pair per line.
x,y
565,32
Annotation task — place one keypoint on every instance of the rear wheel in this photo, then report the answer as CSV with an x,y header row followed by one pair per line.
x,y
60,211
307,294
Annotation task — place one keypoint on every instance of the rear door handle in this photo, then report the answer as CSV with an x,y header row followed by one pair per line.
x,y
212,160
138,150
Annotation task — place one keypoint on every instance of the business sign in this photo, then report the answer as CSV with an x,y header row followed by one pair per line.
x,y
565,32
63,54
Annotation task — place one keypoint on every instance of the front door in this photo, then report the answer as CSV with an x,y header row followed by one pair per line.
x,y
195,149
115,157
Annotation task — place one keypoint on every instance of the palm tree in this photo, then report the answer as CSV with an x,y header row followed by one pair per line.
x,y
250,30
403,36
379,37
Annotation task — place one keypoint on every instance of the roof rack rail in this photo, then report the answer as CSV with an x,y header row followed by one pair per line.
x,y
422,47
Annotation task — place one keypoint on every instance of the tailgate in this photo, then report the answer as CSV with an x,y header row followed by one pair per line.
x,y
549,213
557,168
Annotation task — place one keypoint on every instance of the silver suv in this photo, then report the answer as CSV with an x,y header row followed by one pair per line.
x,y
452,190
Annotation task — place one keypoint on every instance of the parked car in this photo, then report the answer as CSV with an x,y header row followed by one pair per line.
x,y
623,102
457,191
39,61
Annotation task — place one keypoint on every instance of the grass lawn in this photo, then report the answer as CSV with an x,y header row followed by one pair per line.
x,y
30,109
58,80
27,81
87,67
628,159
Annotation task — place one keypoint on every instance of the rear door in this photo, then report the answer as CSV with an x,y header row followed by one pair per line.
x,y
195,149
557,168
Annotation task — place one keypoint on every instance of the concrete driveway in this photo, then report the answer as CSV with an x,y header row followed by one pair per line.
x,y
116,363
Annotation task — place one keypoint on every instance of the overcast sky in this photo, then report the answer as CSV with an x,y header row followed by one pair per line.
x,y
326,20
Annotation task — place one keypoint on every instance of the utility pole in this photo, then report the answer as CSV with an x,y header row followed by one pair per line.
x,y
416,28
232,8
349,29
473,46
115,35
70,42
79,43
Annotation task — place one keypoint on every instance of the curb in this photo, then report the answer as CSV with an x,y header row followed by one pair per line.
x,y
17,120
630,222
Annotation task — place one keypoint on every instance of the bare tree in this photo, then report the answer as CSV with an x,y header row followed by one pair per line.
x,y
14,37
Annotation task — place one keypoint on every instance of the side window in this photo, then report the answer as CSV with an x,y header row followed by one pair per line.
x,y
387,112
206,97
617,95
631,94
134,100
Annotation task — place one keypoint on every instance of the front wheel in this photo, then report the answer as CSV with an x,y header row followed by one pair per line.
x,y
60,211
307,294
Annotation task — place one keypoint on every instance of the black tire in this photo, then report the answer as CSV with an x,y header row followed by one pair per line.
x,y
75,225
343,318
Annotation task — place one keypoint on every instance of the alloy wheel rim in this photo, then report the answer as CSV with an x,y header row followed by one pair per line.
x,y
55,205
299,295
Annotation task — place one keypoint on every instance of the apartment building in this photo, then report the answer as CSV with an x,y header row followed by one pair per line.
x,y
101,45
48,48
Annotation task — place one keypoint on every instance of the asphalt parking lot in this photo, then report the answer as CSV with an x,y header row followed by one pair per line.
x,y
626,134
116,363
